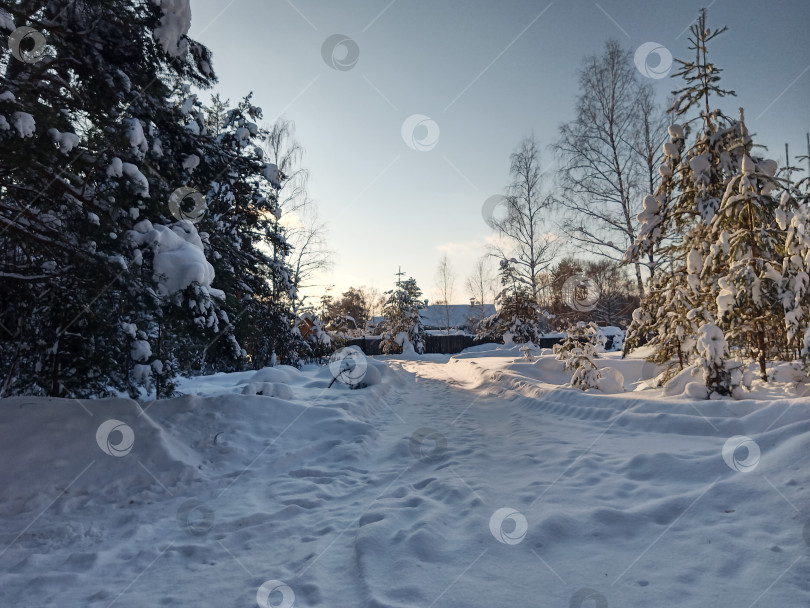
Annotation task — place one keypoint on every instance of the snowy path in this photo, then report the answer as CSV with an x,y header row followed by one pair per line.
x,y
384,498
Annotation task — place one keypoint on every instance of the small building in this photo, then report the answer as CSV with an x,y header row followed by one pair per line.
x,y
306,325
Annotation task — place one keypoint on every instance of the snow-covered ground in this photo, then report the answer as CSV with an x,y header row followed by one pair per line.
x,y
464,481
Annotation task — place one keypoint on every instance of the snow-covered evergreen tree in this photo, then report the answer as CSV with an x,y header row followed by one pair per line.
x,y
794,216
402,318
747,255
339,324
247,242
104,284
85,121
721,226
519,318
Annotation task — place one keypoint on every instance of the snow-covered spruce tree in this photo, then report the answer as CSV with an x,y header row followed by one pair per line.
x,y
402,319
490,328
78,128
123,293
578,351
747,256
793,216
519,318
246,241
715,221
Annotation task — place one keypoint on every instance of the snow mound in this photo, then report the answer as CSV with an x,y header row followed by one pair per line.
x,y
268,389
374,373
107,448
281,373
271,381
612,380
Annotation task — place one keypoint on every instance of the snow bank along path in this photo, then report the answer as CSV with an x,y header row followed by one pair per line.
x,y
461,482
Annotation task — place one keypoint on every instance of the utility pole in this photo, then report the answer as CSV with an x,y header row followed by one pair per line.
x,y
808,154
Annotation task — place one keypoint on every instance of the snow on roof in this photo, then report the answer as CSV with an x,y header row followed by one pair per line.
x,y
435,315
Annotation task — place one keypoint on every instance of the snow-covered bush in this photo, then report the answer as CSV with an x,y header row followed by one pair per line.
x,y
578,351
338,328
528,350
317,341
721,376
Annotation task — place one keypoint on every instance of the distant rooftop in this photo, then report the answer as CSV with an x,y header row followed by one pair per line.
x,y
434,316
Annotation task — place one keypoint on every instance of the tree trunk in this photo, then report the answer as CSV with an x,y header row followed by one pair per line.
x,y
761,355
54,392
639,280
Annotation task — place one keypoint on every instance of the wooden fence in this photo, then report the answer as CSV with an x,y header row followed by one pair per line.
x,y
448,345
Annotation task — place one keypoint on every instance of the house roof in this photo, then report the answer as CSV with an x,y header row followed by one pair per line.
x,y
434,316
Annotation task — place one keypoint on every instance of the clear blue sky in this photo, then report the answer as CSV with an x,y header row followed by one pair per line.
x,y
488,73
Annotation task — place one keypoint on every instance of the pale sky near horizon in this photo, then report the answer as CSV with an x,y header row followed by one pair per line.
x,y
485,74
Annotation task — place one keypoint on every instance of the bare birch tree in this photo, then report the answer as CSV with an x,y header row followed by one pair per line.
x,y
305,232
284,151
529,246
609,154
445,283
480,284
309,254
374,301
